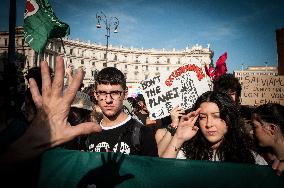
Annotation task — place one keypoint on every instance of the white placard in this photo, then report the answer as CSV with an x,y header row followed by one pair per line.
x,y
180,87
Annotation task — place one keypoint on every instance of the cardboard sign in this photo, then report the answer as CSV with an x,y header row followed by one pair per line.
x,y
180,87
262,89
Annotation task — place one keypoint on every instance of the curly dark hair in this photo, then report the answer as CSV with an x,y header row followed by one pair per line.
x,y
235,146
112,76
271,113
227,82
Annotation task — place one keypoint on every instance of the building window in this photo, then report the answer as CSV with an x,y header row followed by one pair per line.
x,y
178,61
71,51
70,60
136,67
114,65
6,42
115,57
125,66
147,67
82,62
168,68
105,56
93,63
157,68
168,60
147,60
104,64
146,77
23,42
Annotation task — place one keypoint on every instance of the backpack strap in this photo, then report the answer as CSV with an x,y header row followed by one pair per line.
x,y
136,134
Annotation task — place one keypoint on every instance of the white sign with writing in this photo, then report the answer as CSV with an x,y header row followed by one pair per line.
x,y
180,87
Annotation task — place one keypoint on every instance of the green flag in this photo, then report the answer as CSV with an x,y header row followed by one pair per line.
x,y
41,24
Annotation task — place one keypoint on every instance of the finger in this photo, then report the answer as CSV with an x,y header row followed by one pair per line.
x,y
37,98
71,91
195,128
175,108
184,118
280,168
195,119
57,83
85,129
275,164
46,81
197,111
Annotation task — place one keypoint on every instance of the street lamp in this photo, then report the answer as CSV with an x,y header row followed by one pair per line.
x,y
110,23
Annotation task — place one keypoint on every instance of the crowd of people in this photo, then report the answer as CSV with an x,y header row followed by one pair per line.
x,y
101,118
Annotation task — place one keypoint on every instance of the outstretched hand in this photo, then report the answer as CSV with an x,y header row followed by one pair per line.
x,y
50,126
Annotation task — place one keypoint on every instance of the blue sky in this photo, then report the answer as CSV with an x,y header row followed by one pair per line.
x,y
245,29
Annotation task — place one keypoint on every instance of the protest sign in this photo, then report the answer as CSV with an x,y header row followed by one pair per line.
x,y
180,87
262,89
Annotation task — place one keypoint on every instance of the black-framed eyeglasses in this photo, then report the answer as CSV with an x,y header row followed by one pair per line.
x,y
113,94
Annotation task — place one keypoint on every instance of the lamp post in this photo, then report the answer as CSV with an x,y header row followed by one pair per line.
x,y
109,23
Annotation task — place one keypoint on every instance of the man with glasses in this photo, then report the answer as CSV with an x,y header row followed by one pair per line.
x,y
118,128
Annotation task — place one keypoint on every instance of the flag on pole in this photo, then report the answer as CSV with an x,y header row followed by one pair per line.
x,y
41,24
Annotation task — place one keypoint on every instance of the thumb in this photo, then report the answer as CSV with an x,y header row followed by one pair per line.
x,y
85,128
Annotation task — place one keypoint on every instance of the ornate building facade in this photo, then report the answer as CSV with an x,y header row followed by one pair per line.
x,y
136,64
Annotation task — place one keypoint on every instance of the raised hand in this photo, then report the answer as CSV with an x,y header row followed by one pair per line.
x,y
176,113
50,127
186,127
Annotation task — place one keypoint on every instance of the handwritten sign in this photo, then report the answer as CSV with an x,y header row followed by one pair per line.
x,y
180,87
262,89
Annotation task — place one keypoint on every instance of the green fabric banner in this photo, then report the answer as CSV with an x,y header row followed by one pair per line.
x,y
41,24
67,168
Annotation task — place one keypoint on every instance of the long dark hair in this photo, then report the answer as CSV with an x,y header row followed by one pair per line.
x,y
235,147
271,113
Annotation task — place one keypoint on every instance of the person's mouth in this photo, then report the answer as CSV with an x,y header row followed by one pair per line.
x,y
211,133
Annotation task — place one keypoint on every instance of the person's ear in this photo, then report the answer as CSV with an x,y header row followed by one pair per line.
x,y
126,93
273,129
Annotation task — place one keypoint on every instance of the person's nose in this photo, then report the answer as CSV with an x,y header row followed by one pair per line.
x,y
209,122
108,98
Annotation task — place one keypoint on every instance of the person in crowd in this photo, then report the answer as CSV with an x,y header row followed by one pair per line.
x,y
212,131
50,127
119,130
228,83
268,122
143,114
163,136
80,112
